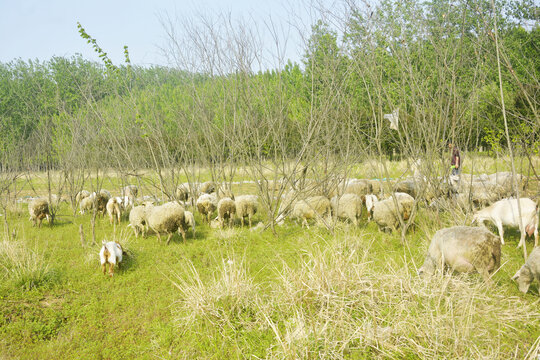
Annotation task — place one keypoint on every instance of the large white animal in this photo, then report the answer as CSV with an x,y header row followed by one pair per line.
x,y
138,218
348,206
505,212
167,218
246,206
114,209
206,205
463,249
111,253
371,200
387,216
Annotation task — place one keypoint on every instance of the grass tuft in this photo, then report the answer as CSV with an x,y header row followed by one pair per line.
x,y
25,267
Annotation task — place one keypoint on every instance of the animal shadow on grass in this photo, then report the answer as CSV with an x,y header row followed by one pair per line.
x,y
129,262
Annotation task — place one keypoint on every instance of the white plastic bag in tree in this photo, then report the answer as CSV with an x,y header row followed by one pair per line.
x,y
393,118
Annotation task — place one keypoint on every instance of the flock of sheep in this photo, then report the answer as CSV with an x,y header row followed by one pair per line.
x,y
462,248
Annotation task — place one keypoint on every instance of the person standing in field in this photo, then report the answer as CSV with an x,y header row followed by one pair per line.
x,y
455,160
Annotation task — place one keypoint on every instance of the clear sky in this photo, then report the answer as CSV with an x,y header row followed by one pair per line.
x,y
40,29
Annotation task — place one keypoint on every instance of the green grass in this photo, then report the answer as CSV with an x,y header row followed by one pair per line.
x,y
238,293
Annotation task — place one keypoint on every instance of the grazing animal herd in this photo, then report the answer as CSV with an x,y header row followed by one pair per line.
x,y
461,248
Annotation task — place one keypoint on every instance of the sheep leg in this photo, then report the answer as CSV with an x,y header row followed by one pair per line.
x,y
169,238
501,232
242,220
249,218
522,238
111,269
181,230
159,236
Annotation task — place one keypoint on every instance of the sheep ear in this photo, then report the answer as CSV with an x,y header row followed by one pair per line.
x,y
515,277
103,242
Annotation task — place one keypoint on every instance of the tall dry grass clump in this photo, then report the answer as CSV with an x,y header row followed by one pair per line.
x,y
340,301
227,301
338,304
25,267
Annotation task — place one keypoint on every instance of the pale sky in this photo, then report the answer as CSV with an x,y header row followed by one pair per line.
x,y
40,29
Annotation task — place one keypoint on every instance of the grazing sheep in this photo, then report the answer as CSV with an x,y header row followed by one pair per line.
x,y
87,203
130,191
111,253
39,209
376,186
100,200
348,206
482,193
167,218
126,202
114,209
182,192
207,187
246,205
138,218
312,208
529,271
190,221
206,205
463,249
407,186
387,216
226,210
505,212
81,195
371,200
504,179
359,187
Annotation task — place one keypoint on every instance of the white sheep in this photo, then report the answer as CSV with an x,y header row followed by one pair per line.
x,y
529,271
39,210
463,249
190,221
167,218
226,210
360,187
114,209
111,253
246,206
348,206
407,186
312,208
207,187
138,218
182,192
130,191
81,195
371,200
206,205
387,216
506,212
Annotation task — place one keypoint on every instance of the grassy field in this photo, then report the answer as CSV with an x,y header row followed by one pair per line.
x,y
237,293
